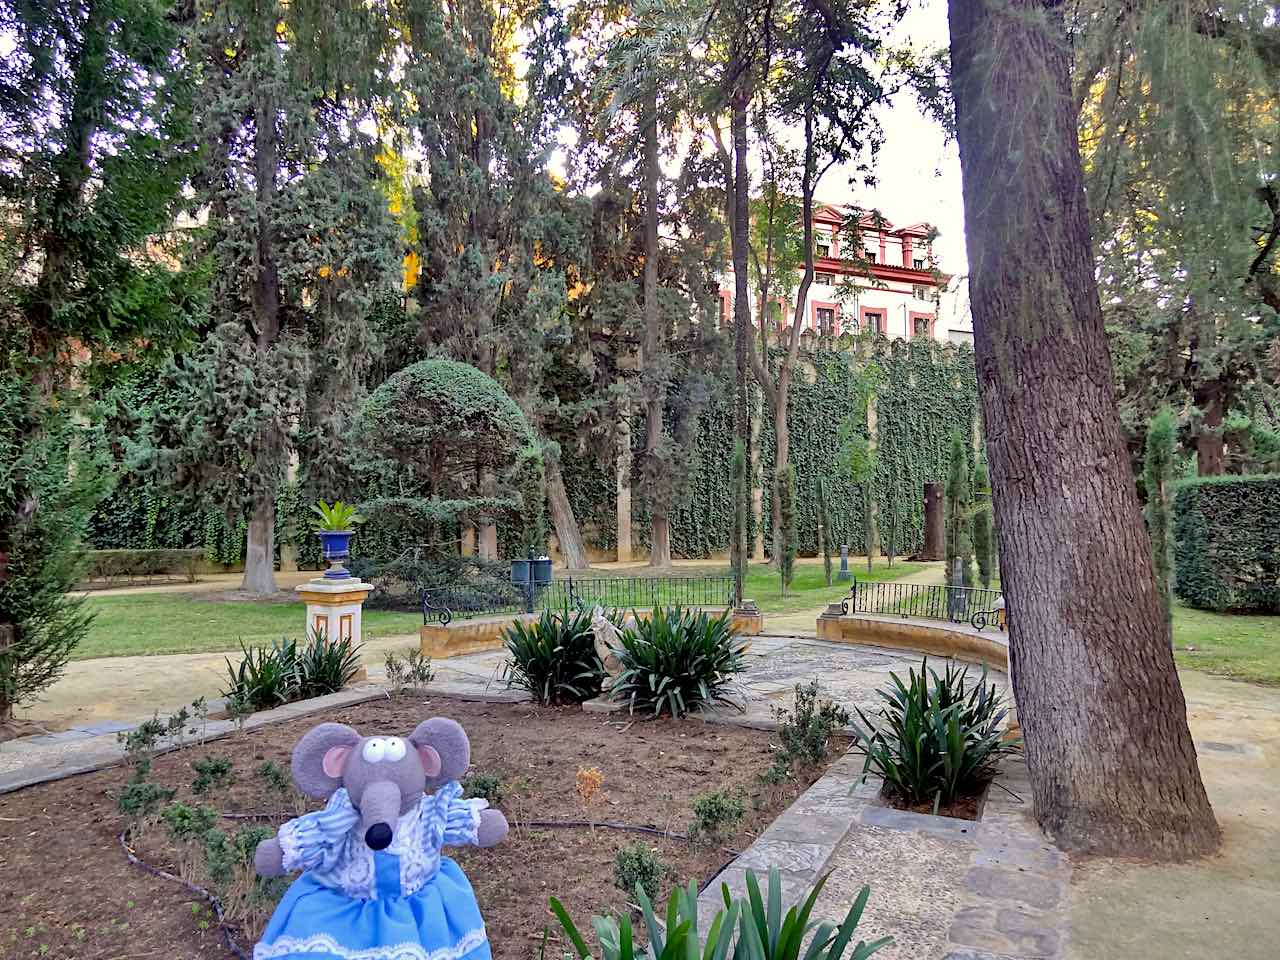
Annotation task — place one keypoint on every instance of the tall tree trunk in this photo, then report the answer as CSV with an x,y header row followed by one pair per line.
x,y
660,549
1112,764
739,249
572,550
259,555
260,548
622,503
1210,399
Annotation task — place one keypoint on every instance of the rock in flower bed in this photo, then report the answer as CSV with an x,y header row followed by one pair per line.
x,y
78,896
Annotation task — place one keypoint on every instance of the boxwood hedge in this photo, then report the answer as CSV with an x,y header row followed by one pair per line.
x,y
1227,542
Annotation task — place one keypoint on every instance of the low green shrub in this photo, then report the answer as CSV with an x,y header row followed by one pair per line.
x,y
750,928
805,732
935,741
637,867
116,565
212,774
185,822
141,797
485,786
554,658
715,816
410,671
678,661
1226,533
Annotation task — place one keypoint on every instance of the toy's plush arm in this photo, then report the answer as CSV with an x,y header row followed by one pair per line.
x,y
492,829
268,859
471,822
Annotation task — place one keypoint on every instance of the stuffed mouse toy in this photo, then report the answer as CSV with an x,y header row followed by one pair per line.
x,y
375,886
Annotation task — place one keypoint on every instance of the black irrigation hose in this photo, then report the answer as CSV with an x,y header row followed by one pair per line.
x,y
199,891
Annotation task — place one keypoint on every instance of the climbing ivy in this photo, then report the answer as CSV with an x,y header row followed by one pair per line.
x,y
923,391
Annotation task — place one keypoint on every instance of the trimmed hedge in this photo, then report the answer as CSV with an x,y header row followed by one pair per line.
x,y
1227,543
113,565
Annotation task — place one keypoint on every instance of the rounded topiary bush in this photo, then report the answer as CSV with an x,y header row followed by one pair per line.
x,y
439,417
1227,543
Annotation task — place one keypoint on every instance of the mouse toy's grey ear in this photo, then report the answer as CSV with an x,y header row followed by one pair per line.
x,y
320,756
444,748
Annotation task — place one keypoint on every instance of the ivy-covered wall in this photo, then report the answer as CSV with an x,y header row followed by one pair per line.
x,y
924,391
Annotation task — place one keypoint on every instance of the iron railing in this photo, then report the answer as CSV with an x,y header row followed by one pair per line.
x,y
924,600
449,601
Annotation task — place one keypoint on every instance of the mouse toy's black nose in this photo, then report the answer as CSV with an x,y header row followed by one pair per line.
x,y
378,837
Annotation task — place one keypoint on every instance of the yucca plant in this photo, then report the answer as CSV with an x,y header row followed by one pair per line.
x,y
768,934
554,658
764,932
678,661
935,741
265,677
326,666
336,518
675,938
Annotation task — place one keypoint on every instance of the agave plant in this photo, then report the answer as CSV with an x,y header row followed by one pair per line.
x,y
676,938
336,518
554,658
935,741
678,661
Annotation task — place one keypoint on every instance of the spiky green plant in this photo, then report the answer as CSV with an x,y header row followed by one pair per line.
x,y
935,741
554,658
678,660
337,517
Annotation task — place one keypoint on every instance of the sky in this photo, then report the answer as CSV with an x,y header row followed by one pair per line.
x,y
918,172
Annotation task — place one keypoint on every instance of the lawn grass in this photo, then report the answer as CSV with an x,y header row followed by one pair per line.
x,y
173,623
142,624
1228,644
809,587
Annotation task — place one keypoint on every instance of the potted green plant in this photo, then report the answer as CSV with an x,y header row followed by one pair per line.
x,y
335,524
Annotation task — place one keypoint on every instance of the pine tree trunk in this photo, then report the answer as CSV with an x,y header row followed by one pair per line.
x,y
572,550
1112,764
934,528
1209,398
622,503
259,551
660,550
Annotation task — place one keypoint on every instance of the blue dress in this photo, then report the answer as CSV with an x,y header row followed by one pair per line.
x,y
403,903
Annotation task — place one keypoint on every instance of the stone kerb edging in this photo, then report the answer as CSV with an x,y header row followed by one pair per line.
x,y
89,754
1012,898
933,637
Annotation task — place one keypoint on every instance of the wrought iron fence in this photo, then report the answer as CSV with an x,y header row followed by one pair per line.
x,y
924,600
446,602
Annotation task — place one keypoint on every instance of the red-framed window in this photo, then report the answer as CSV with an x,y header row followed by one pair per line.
x,y
920,324
824,317
874,318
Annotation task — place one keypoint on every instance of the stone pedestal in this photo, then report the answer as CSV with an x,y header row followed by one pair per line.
x,y
333,606
747,619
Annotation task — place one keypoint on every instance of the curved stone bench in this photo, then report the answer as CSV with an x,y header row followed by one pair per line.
x,y
940,638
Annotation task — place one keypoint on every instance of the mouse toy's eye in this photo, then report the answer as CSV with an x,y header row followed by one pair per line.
x,y
395,749
374,750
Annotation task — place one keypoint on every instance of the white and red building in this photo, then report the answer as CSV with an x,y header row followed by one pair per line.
x,y
896,290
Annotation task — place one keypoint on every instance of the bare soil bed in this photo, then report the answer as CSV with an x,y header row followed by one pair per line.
x,y
68,890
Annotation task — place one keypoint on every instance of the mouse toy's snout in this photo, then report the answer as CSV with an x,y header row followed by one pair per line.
x,y
378,837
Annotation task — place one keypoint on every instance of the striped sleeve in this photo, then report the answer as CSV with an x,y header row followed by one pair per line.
x,y
461,818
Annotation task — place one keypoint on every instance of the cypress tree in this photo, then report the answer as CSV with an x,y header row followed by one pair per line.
x,y
824,526
959,520
1157,470
984,544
